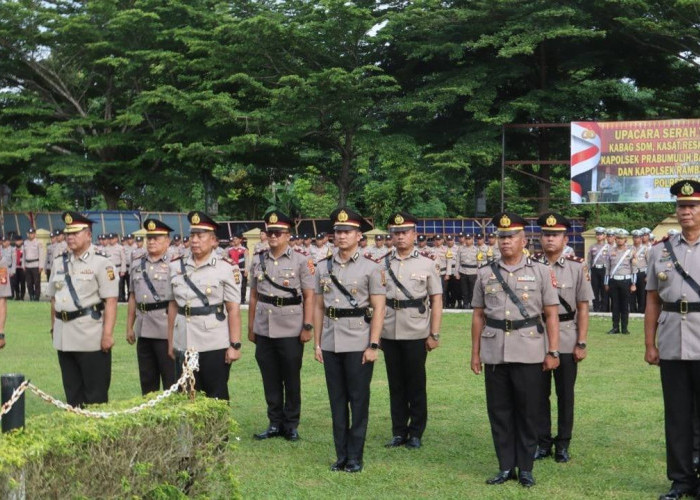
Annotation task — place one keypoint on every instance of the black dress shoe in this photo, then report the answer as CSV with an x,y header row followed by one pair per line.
x,y
268,433
674,494
562,456
501,477
413,443
353,466
525,478
542,452
292,435
613,331
625,332
395,442
338,465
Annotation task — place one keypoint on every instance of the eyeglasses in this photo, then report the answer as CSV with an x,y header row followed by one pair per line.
x,y
276,234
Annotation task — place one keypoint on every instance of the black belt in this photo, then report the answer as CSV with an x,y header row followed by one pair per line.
x,y
334,313
68,316
279,301
144,307
682,306
217,309
509,325
564,317
443,269
403,304
469,266
31,260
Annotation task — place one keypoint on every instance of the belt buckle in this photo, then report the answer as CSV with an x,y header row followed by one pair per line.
x,y
396,304
188,311
331,313
142,307
683,306
279,301
508,325
64,316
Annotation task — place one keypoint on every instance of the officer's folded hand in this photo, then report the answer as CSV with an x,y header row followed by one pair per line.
x,y
305,336
251,336
550,363
369,356
130,336
107,343
318,354
476,364
633,288
232,355
431,343
171,352
651,355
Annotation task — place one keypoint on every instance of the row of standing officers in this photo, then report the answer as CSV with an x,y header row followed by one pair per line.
x,y
530,321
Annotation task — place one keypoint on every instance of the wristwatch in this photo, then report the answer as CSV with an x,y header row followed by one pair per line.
x,y
236,345
308,327
581,345
2,336
554,354
374,346
435,337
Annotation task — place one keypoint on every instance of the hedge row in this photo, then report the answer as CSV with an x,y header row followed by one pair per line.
x,y
178,448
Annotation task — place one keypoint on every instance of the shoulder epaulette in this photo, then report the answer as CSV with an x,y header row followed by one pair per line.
x,y
661,240
326,257
101,254
175,259
575,258
369,257
228,260
483,264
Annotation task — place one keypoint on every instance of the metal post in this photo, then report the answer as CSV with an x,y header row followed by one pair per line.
x,y
503,165
14,419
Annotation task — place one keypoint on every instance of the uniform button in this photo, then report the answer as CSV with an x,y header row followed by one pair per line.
x,y
525,288
342,265
337,300
532,333
401,263
683,295
276,263
510,274
507,313
507,334
400,275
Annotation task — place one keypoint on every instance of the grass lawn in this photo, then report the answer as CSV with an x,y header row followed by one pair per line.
x,y
617,450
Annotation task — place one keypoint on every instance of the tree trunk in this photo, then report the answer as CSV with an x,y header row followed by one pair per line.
x,y
347,154
544,187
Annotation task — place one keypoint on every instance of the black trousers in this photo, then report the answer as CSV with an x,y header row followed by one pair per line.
x,y
18,285
513,399
244,285
620,302
48,275
280,366
564,381
123,285
31,276
680,382
466,283
600,296
86,376
348,381
155,366
454,292
638,298
212,377
405,370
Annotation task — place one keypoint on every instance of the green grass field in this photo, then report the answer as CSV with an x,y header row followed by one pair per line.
x,y
617,450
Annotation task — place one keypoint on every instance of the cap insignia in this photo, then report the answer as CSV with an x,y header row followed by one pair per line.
x,y
343,216
398,219
195,218
273,218
551,221
151,226
505,221
687,189
68,219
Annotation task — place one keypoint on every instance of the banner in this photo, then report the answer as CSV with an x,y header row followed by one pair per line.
x,y
632,162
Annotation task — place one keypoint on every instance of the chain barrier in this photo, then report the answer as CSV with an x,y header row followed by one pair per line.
x,y
186,382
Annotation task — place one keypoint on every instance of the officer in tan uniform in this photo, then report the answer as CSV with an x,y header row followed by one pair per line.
x,y
620,278
83,290
32,255
423,247
440,253
116,254
204,314
641,250
508,338
597,255
5,287
574,289
378,250
150,293
493,253
671,333
411,330
466,269
280,322
262,244
139,251
348,316
454,293
483,255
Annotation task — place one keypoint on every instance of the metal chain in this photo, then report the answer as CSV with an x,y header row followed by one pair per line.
x,y
186,381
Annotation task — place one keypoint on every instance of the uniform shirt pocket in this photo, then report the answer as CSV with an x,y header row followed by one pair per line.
x,y
419,284
488,333
492,294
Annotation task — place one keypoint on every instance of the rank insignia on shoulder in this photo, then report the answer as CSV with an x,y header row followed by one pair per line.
x,y
575,258
311,267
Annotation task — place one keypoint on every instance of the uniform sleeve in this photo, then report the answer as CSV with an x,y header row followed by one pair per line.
x,y
134,270
478,295
652,280
377,281
584,291
434,284
306,273
317,281
231,282
550,297
51,285
107,280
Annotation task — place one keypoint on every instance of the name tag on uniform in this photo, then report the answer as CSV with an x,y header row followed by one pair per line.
x,y
87,271
522,279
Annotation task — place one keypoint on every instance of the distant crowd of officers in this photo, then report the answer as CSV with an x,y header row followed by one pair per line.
x,y
529,323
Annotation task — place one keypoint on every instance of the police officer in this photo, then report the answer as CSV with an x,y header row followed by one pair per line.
x,y
5,287
49,254
574,289
19,286
319,250
671,330
620,278
150,293
32,253
466,269
263,244
239,255
482,256
378,250
638,297
423,247
205,311
348,316
597,255
454,293
411,330
508,338
139,251
440,253
280,322
128,246
83,291
116,254
493,253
